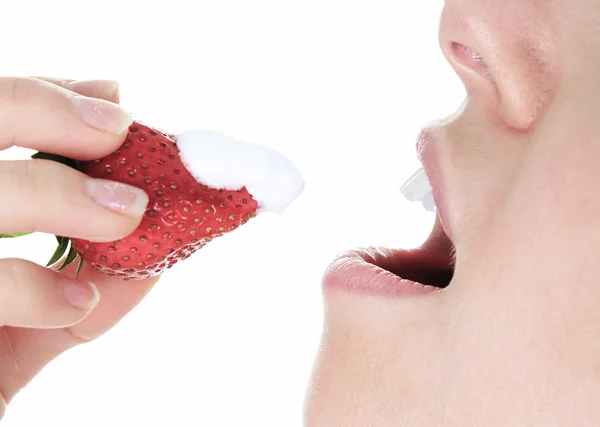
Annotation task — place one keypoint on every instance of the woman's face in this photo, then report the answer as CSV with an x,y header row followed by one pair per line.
x,y
514,339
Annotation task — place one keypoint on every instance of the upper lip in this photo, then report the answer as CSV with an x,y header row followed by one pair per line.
x,y
429,155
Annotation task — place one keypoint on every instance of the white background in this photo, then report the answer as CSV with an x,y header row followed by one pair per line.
x,y
342,87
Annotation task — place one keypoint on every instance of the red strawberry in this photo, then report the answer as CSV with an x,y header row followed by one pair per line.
x,y
182,215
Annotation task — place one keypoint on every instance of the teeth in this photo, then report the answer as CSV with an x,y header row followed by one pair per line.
x,y
418,189
429,203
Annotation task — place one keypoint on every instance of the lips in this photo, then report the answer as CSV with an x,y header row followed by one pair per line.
x,y
394,272
402,272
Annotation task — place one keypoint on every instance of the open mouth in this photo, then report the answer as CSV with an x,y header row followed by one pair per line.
x,y
431,265
394,272
397,272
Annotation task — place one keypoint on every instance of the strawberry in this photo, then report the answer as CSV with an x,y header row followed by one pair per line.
x,y
182,216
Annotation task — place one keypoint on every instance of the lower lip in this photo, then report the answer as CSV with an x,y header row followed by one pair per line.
x,y
356,272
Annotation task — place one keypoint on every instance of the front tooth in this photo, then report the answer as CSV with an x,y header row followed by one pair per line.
x,y
417,187
429,203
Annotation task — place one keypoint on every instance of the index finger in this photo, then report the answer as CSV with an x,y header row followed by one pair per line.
x,y
45,117
101,89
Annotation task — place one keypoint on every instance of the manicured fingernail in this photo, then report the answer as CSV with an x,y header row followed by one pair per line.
x,y
83,295
118,197
102,114
105,89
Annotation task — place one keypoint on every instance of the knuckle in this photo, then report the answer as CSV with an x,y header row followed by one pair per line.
x,y
11,271
32,183
26,184
14,91
37,178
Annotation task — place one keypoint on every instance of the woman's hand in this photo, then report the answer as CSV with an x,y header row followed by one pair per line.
x,y
43,312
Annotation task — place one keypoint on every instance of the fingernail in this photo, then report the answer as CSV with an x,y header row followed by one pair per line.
x,y
102,114
82,295
118,197
105,89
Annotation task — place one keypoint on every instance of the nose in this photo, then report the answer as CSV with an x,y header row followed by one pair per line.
x,y
502,52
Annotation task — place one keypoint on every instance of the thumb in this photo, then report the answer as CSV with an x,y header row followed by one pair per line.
x,y
32,296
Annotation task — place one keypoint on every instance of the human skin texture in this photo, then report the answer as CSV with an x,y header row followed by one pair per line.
x,y
514,340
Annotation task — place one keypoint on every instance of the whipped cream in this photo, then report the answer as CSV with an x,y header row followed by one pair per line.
x,y
418,189
222,162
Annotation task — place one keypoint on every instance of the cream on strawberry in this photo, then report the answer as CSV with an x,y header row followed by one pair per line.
x,y
223,162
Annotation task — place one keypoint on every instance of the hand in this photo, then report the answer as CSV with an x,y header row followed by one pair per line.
x,y
43,312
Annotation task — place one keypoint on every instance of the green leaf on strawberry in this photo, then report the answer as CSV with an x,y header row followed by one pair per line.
x,y
63,244
13,235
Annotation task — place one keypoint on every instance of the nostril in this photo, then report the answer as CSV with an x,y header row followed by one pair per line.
x,y
466,57
467,53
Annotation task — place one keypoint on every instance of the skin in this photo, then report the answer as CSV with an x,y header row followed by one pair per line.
x,y
515,339
36,322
